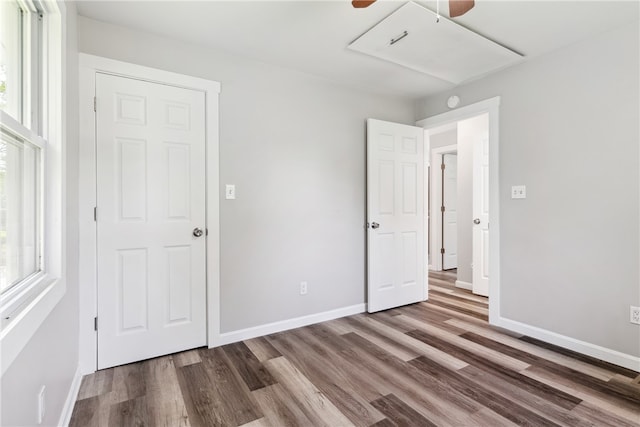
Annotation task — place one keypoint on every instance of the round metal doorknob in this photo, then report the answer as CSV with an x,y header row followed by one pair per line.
x,y
375,225
476,221
197,232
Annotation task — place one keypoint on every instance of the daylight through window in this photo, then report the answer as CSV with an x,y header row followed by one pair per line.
x,y
21,149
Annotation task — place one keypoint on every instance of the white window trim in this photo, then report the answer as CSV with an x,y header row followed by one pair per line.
x,y
26,306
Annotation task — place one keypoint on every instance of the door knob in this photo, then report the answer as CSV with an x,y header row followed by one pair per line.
x,y
375,225
197,232
476,221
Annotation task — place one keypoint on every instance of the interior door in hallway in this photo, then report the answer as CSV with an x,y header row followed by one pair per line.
x,y
395,215
480,251
151,231
449,211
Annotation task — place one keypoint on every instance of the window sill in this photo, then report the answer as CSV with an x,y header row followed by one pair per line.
x,y
27,319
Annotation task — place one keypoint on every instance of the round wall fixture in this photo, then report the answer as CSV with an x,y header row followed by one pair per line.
x,y
453,101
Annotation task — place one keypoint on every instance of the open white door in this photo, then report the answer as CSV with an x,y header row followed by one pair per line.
x,y
449,211
395,215
151,176
481,217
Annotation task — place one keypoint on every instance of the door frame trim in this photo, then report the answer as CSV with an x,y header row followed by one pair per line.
x,y
492,107
89,65
435,182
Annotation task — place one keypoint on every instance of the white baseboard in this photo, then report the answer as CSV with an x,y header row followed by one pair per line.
x,y
271,328
612,356
67,410
464,285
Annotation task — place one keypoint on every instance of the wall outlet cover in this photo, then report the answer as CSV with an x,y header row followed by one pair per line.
x,y
518,192
634,315
230,192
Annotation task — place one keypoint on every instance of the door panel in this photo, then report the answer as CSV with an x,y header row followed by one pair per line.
x,y
410,263
481,213
395,201
150,196
450,214
131,164
179,284
132,288
178,159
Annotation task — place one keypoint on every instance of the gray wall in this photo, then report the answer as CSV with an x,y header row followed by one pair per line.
x,y
569,131
51,357
294,146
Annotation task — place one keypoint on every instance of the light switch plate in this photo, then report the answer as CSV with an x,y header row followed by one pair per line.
x,y
230,192
518,192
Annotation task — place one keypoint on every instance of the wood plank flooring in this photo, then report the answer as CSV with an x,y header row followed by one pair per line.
x,y
436,363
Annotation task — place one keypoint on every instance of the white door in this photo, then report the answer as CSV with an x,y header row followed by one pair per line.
x,y
449,211
395,215
481,217
150,199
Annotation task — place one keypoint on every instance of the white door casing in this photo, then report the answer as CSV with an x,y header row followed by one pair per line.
x,y
450,213
151,195
480,255
395,214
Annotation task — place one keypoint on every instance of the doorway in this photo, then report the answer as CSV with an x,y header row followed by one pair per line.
x,y
442,143
149,159
386,145
457,190
449,211
479,162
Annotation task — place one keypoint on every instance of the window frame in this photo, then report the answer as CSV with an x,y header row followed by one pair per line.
x,y
17,292
26,305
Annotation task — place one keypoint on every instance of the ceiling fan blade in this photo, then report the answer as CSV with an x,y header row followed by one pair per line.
x,y
359,4
459,7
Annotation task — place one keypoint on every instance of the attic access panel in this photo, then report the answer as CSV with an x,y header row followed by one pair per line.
x,y
442,49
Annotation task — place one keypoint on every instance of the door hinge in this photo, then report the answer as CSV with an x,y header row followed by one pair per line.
x,y
95,323
442,165
95,213
441,208
206,231
95,104
442,250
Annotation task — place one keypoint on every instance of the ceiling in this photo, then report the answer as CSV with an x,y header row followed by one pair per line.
x,y
312,36
419,39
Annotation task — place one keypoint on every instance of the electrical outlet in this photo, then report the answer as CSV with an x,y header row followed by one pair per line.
x,y
303,288
634,316
41,406
518,192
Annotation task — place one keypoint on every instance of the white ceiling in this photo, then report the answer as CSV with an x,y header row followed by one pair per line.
x,y
312,36
419,39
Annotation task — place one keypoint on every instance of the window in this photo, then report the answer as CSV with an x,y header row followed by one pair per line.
x,y
31,179
21,149
11,59
20,212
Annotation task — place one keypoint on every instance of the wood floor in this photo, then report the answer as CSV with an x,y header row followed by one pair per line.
x,y
434,363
